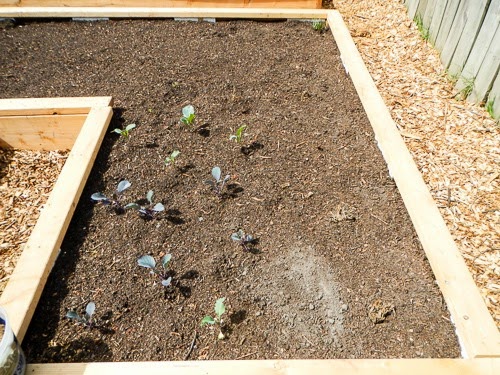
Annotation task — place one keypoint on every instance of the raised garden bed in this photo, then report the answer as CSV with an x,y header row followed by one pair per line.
x,y
337,215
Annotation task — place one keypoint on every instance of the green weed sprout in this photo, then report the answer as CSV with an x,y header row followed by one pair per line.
x,y
219,309
188,115
238,136
171,159
124,132
319,25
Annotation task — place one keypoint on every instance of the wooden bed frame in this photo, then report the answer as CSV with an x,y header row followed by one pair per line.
x,y
476,331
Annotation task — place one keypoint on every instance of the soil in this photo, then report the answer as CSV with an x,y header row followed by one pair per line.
x,y
336,271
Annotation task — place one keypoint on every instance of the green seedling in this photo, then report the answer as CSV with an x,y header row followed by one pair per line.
x,y
124,132
149,211
218,183
238,136
243,239
114,202
219,309
147,261
319,25
188,115
171,159
85,319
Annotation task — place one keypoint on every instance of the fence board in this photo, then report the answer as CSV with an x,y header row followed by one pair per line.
x,y
412,8
483,42
422,5
488,71
437,18
446,23
494,97
474,16
429,11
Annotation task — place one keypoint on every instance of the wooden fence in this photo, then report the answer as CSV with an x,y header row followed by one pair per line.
x,y
467,34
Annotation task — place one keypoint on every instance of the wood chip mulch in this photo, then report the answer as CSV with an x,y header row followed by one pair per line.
x,y
455,144
26,180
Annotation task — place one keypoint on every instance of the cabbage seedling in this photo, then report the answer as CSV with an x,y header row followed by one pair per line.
x,y
85,319
115,201
188,115
219,309
238,136
218,183
148,261
243,239
171,159
124,132
149,211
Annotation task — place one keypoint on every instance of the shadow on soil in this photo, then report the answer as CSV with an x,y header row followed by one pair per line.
x,y
69,256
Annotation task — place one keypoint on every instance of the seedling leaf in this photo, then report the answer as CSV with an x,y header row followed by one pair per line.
x,y
147,261
220,308
207,320
129,127
165,260
98,197
123,185
188,111
72,315
216,173
90,309
236,236
149,196
134,206
158,207
166,282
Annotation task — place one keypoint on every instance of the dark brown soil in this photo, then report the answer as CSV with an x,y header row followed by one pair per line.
x,y
337,272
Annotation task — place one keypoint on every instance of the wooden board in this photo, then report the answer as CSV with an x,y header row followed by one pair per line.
x,y
481,46
297,4
26,283
280,367
446,23
40,132
130,12
437,18
52,106
475,326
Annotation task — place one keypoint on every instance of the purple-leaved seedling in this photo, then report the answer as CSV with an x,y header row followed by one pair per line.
x,y
85,319
218,183
147,261
242,239
115,201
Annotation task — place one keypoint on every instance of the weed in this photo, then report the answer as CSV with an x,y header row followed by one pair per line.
x,y
319,25
467,89
218,183
188,115
115,201
124,132
238,136
243,239
424,31
85,319
147,261
171,159
219,309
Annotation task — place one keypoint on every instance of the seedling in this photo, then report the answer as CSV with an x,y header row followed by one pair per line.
x,y
188,115
124,132
171,159
218,183
85,319
243,239
148,261
319,25
240,132
219,309
149,211
115,201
